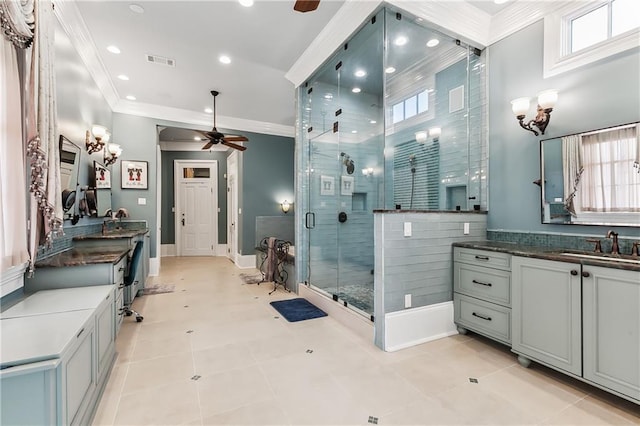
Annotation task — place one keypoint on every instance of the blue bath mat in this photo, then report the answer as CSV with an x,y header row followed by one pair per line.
x,y
298,309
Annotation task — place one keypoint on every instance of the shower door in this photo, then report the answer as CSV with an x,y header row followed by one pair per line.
x,y
343,143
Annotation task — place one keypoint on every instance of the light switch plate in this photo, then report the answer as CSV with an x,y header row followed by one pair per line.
x,y
407,300
407,229
465,230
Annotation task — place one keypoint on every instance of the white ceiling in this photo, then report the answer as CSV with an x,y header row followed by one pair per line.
x,y
263,41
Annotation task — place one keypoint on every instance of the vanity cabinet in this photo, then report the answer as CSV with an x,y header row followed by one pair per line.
x,y
482,292
611,329
547,310
58,347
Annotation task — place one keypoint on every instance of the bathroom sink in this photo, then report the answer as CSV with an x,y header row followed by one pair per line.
x,y
600,256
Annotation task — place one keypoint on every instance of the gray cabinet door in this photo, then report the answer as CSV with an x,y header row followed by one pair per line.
x,y
611,321
546,317
79,376
105,334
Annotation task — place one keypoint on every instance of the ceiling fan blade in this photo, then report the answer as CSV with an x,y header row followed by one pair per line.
x,y
306,5
208,145
233,145
233,138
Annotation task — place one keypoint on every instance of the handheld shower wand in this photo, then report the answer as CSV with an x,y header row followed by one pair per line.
x,y
412,164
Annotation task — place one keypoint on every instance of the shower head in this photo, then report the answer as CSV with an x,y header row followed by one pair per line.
x,y
348,162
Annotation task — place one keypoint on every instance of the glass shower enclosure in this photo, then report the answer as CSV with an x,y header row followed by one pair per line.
x,y
360,147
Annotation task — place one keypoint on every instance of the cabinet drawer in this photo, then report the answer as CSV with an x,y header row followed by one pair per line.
x,y
483,317
118,270
490,259
493,285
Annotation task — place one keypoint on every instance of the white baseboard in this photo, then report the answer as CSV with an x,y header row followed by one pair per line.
x,y
419,325
154,266
167,250
245,261
355,322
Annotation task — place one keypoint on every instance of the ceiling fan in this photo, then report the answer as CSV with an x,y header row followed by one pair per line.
x,y
306,5
215,137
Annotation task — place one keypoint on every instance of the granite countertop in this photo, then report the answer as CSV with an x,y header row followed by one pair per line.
x,y
112,234
557,254
83,256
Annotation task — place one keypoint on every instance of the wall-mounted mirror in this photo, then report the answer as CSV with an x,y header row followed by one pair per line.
x,y
592,178
69,169
102,184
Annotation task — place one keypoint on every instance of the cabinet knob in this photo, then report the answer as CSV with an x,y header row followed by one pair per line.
x,y
574,272
585,274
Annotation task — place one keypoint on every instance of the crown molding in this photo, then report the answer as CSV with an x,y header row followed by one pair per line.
x,y
71,20
190,146
201,119
520,15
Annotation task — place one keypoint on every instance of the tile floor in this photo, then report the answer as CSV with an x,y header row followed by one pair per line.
x,y
215,352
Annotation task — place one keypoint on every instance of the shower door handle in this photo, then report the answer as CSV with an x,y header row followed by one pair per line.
x,y
310,220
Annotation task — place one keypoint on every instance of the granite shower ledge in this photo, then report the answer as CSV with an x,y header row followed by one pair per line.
x,y
84,256
403,211
549,253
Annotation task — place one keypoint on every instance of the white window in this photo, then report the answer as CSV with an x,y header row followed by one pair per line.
x,y
576,35
410,107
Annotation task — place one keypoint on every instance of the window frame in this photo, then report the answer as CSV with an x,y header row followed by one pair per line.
x,y
557,41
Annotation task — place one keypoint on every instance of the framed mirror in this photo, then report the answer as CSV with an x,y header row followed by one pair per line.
x,y
592,178
69,169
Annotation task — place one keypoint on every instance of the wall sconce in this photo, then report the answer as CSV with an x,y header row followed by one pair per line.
x,y
546,102
101,136
285,206
111,153
421,137
434,133
368,171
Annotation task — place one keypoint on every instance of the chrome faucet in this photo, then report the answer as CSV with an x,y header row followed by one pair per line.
x,y
615,249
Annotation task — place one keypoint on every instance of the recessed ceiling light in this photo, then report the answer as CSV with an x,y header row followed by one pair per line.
x,y
433,42
224,59
500,1
400,41
123,77
246,3
328,96
372,121
131,97
113,49
390,70
356,90
136,8
360,73
354,131
208,110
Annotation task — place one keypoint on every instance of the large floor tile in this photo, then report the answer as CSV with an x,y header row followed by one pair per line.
x,y
158,371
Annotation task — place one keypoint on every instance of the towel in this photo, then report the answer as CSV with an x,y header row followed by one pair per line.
x,y
271,261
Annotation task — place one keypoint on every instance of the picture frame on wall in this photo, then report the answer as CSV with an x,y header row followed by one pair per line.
x,y
327,185
102,175
135,174
346,185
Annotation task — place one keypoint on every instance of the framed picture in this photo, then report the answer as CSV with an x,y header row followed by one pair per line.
x,y
327,185
346,187
135,174
103,176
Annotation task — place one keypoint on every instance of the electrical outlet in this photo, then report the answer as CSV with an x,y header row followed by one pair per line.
x,y
465,230
407,300
407,229
142,201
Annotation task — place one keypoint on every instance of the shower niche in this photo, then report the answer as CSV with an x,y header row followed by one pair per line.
x,y
393,117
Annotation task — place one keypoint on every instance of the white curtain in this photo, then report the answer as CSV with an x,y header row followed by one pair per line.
x,y
571,170
46,202
611,181
17,22
13,215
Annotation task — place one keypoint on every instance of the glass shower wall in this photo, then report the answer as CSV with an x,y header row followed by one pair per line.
x,y
342,135
395,117
435,148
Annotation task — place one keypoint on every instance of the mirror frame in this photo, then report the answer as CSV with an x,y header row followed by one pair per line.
x,y
72,212
543,182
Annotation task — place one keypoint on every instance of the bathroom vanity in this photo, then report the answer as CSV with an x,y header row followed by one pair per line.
x,y
574,312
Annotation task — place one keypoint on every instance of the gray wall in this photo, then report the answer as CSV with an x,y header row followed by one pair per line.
x,y
266,179
168,191
598,95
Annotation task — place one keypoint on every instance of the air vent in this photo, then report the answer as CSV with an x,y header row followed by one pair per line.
x,y
154,59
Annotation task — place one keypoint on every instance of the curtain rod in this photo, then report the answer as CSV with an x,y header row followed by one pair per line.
x,y
621,126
